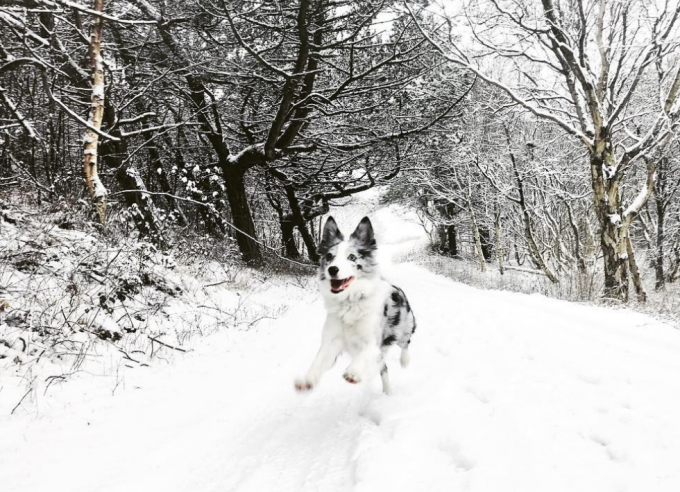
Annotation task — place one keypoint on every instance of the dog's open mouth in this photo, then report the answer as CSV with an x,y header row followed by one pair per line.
x,y
340,284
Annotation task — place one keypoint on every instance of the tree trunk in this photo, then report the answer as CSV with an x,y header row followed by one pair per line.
x,y
518,259
607,198
94,185
478,242
485,242
615,267
288,238
534,252
310,244
234,180
301,224
660,238
441,238
140,205
499,247
452,240
674,268
580,261
635,273
233,174
120,152
159,173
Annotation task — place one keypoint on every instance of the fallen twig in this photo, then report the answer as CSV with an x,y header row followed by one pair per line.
x,y
167,345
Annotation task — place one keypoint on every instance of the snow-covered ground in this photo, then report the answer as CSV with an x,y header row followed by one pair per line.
x,y
505,392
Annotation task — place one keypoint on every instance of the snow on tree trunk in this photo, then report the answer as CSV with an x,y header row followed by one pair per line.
x,y
614,220
607,201
140,205
94,185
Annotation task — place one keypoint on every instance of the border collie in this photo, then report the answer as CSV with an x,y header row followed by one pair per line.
x,y
365,313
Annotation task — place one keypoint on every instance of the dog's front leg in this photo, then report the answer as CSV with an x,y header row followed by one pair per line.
x,y
332,344
364,349
364,363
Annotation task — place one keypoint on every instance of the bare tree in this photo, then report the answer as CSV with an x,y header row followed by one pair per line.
x,y
587,85
91,141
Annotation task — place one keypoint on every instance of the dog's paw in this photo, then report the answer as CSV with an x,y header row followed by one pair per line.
x,y
303,385
351,377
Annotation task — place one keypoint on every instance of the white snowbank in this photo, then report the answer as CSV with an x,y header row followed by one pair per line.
x,y
505,392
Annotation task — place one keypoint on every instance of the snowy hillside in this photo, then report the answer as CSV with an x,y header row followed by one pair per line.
x,y
505,392
79,310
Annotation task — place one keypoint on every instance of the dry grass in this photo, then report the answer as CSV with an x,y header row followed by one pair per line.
x,y
664,304
79,300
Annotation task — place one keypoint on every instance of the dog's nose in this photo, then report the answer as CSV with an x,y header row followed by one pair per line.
x,y
333,270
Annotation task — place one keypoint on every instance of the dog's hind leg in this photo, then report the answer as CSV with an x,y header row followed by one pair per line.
x,y
387,389
405,358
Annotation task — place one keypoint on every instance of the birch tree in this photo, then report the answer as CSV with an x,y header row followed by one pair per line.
x,y
91,141
580,65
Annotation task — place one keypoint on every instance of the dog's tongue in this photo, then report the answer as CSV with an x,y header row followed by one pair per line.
x,y
338,285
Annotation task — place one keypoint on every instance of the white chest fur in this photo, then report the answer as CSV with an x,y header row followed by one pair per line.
x,y
357,312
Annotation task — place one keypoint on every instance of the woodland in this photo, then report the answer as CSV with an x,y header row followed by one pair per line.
x,y
535,137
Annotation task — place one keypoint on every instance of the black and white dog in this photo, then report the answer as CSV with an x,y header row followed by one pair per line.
x,y
365,313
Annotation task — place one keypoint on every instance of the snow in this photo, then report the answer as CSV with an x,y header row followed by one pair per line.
x,y
97,92
615,219
99,189
638,203
505,391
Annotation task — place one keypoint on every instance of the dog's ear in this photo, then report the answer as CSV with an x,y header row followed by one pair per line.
x,y
331,234
363,235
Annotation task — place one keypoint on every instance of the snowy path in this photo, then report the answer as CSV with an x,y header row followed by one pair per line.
x,y
506,392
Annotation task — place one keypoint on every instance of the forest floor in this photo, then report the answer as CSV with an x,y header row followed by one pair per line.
x,y
505,392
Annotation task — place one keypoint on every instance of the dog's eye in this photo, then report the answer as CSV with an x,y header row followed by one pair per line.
x,y
352,258
329,257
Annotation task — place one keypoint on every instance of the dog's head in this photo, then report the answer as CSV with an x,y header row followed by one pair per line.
x,y
345,261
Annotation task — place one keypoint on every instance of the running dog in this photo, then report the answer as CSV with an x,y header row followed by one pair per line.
x,y
365,313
